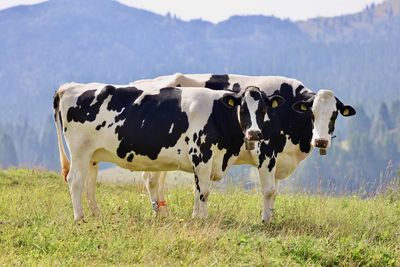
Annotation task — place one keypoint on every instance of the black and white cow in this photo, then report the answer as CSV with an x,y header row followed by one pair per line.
x,y
304,121
145,128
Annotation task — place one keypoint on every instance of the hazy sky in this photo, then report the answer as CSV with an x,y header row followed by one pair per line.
x,y
217,10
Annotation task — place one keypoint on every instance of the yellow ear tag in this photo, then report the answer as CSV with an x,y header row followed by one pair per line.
x,y
346,112
274,104
231,102
303,107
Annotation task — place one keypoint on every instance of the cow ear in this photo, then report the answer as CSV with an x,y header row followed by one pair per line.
x,y
231,100
276,101
301,106
347,111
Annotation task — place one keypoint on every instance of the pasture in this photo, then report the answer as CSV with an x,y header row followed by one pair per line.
x,y
36,228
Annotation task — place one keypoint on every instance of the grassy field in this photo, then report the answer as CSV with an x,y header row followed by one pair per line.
x,y
36,228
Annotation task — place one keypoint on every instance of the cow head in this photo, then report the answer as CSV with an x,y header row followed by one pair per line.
x,y
252,110
324,108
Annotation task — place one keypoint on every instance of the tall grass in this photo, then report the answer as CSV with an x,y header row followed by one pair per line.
x,y
36,228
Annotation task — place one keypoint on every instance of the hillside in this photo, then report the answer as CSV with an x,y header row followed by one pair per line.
x,y
356,55
59,41
37,229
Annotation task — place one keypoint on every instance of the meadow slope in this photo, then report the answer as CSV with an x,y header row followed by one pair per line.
x,y
36,228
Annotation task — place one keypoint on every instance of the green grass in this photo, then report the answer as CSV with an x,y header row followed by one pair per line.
x,y
36,228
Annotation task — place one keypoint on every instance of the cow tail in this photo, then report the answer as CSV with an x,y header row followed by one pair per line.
x,y
63,156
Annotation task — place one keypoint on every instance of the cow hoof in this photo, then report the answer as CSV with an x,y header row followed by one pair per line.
x,y
199,215
78,219
96,213
266,220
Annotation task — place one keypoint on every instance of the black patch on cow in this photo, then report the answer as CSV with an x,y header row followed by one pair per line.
x,y
84,110
179,151
111,124
236,88
187,139
245,120
65,129
98,127
196,181
331,125
60,118
130,157
56,104
158,111
223,130
297,126
218,82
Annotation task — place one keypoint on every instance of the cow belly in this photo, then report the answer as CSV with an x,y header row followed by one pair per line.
x,y
287,163
143,163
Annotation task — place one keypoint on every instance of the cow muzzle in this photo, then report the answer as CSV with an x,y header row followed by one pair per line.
x,y
321,143
252,135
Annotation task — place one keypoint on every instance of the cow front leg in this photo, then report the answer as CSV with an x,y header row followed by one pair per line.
x,y
91,188
201,193
268,189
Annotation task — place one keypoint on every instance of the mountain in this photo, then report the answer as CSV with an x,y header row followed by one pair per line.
x,y
58,41
374,22
47,44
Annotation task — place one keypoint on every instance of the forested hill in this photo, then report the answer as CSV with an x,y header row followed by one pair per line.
x,y
47,44
50,43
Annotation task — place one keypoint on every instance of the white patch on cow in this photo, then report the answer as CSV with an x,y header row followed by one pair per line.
x,y
252,106
150,91
171,128
142,123
323,107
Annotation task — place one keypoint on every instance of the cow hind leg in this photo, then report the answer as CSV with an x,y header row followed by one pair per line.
x,y
201,192
162,203
76,178
151,180
91,188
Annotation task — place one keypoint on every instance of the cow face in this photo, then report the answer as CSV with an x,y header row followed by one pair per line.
x,y
324,108
253,110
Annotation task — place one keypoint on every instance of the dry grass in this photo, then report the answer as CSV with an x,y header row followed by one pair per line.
x,y
36,228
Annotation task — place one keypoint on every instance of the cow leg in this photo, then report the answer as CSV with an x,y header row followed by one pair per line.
x,y
155,186
151,182
201,192
268,189
91,188
76,177
162,203
272,203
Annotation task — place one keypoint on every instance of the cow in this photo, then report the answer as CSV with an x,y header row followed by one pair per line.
x,y
149,128
305,120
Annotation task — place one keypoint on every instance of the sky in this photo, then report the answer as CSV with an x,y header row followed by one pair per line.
x,y
219,10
